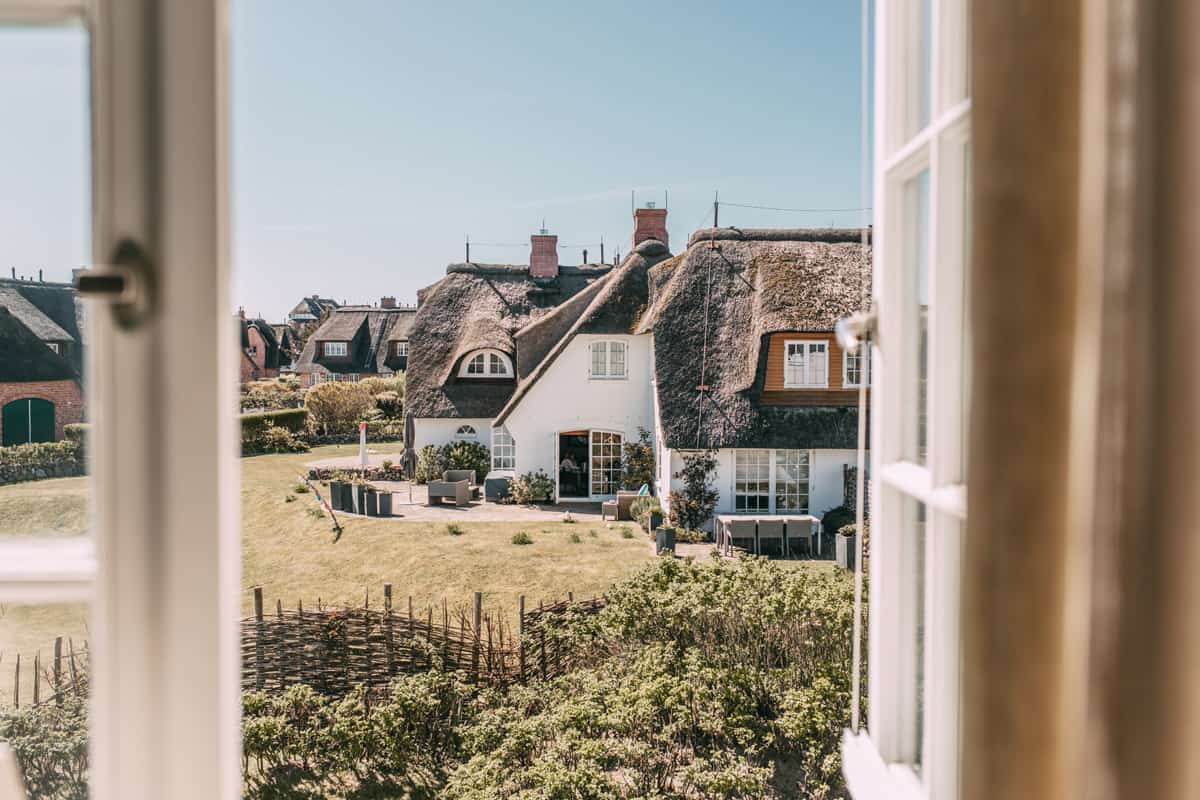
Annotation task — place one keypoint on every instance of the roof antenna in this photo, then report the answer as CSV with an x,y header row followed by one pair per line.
x,y
468,248
666,199
716,206
601,249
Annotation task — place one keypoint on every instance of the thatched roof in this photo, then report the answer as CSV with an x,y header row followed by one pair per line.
x,y
614,304
368,329
752,283
25,356
50,311
478,306
312,307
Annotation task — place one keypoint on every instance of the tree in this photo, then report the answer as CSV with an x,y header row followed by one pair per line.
x,y
637,462
337,407
694,506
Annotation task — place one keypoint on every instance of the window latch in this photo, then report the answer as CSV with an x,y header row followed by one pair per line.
x,y
126,285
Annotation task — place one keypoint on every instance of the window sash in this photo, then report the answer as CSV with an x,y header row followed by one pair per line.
x,y
504,449
856,368
806,364
608,359
606,462
335,348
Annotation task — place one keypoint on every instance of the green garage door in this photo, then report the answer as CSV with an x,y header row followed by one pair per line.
x,y
28,420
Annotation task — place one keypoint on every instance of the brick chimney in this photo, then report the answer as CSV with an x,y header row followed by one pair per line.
x,y
543,255
241,312
387,302
650,223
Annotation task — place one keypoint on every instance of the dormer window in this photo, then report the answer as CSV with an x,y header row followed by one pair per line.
x,y
486,364
400,349
608,360
332,349
53,346
856,368
806,364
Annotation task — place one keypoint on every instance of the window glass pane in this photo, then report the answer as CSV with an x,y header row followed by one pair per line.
x,y
43,696
752,480
917,524
606,462
45,234
916,267
599,359
791,481
817,375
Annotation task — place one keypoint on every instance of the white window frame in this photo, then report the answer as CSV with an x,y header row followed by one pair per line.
x,y
165,683
777,461
593,472
774,456
335,349
504,450
805,365
864,369
762,459
889,758
53,346
400,348
493,364
466,432
610,369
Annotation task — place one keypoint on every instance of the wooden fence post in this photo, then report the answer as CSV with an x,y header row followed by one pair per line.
x,y
17,683
476,612
37,677
74,672
303,640
282,653
387,630
521,636
58,671
542,638
258,634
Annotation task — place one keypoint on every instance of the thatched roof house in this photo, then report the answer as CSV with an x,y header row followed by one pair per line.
x,y
713,312
51,313
358,342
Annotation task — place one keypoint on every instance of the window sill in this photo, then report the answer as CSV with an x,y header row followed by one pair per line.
x,y
605,378
806,386
869,778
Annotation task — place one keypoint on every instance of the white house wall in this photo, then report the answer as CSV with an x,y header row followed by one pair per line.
x,y
437,432
566,399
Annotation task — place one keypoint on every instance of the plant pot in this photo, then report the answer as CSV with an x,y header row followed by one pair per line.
x,y
335,495
360,498
347,497
372,504
385,504
664,539
846,548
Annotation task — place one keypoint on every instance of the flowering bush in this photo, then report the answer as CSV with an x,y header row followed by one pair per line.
x,y
532,487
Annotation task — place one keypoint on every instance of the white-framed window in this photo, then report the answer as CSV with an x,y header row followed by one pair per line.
x,y
910,744
53,346
752,481
347,377
606,462
856,368
806,363
334,349
400,349
767,481
791,481
504,449
486,364
466,432
608,361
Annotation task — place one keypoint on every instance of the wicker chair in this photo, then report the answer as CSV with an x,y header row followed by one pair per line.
x,y
458,491
468,475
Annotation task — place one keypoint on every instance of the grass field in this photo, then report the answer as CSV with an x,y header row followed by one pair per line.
x,y
289,550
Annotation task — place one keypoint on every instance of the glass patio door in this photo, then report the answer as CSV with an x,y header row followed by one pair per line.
x,y
118,586
606,463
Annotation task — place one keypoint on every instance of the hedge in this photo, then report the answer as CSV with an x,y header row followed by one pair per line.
x,y
39,453
254,424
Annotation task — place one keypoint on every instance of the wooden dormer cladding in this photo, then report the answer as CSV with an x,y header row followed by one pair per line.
x,y
775,393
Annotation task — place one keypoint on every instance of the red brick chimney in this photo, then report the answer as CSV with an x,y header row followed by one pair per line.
x,y
650,223
387,302
543,255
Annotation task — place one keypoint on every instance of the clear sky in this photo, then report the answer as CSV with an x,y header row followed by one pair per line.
x,y
371,138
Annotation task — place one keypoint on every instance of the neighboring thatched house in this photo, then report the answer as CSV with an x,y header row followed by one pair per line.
x,y
41,360
310,309
262,355
356,342
727,346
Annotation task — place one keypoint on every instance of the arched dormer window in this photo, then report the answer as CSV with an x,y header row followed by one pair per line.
x,y
465,432
486,364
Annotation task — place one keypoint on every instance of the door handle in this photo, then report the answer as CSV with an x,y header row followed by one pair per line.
x,y
126,285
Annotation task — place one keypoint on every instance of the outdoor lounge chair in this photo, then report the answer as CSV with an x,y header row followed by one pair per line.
x,y
770,537
742,533
458,491
624,501
452,475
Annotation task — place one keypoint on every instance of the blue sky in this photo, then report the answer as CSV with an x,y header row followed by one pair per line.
x,y
370,138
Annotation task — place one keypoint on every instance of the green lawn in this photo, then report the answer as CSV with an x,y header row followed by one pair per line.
x,y
290,552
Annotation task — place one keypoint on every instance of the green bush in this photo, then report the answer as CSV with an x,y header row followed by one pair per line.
x,y
430,464
381,386
390,404
256,423
521,537
693,507
274,439
272,394
77,432
51,745
454,529
641,509
468,455
637,462
691,536
532,487
337,407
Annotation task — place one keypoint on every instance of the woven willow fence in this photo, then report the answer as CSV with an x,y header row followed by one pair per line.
x,y
336,649
53,677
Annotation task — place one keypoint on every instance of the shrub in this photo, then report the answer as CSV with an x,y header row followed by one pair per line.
x,y
275,439
521,537
381,386
289,498
51,745
626,532
301,488
693,507
272,395
691,536
532,487
337,407
574,538
468,455
454,529
430,464
833,520
254,424
641,509
40,452
637,462
390,404
77,432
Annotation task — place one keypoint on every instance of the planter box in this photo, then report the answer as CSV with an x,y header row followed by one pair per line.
x,y
335,495
385,504
664,539
846,549
371,502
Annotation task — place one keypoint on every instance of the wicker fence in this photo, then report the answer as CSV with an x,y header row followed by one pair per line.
x,y
54,678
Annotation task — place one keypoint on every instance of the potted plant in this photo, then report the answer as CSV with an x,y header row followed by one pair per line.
x,y
335,493
385,504
369,498
664,540
846,545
